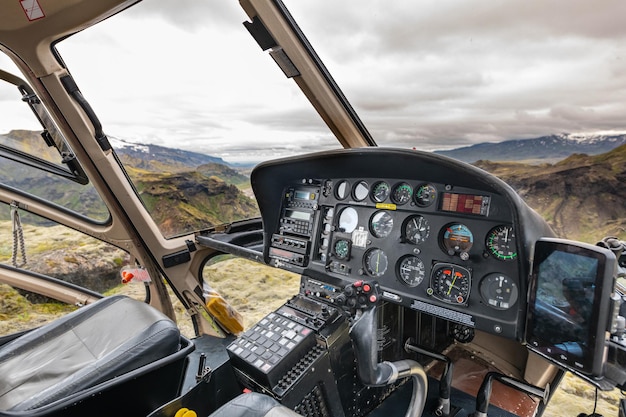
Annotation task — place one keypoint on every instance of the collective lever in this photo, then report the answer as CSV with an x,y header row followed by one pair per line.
x,y
360,299
445,382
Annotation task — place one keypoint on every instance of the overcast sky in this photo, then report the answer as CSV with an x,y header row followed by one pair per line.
x,y
427,74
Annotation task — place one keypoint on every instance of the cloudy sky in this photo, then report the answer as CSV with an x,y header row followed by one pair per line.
x,y
428,74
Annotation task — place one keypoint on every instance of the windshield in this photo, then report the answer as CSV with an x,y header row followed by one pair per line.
x,y
434,76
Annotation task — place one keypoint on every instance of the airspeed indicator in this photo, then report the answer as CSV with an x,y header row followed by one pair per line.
x,y
500,243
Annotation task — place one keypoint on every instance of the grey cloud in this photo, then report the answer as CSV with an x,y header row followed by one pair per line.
x,y
192,14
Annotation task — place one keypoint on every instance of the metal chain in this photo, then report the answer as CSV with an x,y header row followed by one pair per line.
x,y
18,236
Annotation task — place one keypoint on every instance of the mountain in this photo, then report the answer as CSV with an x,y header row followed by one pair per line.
x,y
190,200
547,148
182,190
582,196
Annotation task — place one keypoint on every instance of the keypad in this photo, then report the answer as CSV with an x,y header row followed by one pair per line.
x,y
272,346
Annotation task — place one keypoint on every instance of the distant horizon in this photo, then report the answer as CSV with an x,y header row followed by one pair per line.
x,y
251,161
249,158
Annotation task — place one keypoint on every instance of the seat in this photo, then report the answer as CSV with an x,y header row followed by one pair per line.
x,y
253,404
93,344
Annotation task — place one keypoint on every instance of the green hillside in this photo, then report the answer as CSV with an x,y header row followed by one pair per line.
x,y
582,197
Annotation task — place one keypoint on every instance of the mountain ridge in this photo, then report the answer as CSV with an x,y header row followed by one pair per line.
x,y
582,196
543,148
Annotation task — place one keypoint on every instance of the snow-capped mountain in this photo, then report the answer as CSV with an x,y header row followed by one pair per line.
x,y
550,147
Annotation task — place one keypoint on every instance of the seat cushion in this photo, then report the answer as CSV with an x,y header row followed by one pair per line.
x,y
254,404
80,350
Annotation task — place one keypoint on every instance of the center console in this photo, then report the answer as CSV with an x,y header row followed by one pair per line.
x,y
302,355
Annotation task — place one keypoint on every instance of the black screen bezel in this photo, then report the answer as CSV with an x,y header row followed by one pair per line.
x,y
591,362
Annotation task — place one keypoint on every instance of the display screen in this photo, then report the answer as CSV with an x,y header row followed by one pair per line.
x,y
465,203
304,195
298,215
568,306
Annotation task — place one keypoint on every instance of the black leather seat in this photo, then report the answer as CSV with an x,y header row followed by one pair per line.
x,y
91,345
253,405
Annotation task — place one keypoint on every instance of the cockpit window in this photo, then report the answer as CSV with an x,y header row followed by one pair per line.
x,y
35,157
191,105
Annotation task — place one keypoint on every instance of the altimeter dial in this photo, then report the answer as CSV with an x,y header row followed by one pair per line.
x,y
411,270
416,229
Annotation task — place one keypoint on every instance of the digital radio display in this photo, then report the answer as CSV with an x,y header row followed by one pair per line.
x,y
465,203
298,215
304,195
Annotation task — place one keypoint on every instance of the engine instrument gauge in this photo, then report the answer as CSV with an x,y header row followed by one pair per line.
x,y
380,192
348,220
416,229
375,262
360,191
457,238
425,195
401,193
381,224
501,244
341,248
499,291
342,189
450,283
411,270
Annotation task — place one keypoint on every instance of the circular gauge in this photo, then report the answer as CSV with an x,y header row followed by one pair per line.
x,y
342,190
501,243
381,224
450,283
341,248
498,291
348,220
416,229
375,262
425,195
457,238
361,190
411,270
380,191
401,193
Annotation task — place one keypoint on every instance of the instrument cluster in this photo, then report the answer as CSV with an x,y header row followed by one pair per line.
x,y
422,241
387,231
438,236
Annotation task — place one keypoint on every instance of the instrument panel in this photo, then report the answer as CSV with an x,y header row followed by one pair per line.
x,y
439,236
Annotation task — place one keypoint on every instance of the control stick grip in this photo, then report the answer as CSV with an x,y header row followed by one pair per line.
x,y
364,340
362,298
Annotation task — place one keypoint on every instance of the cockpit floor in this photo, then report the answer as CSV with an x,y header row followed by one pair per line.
x,y
468,375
